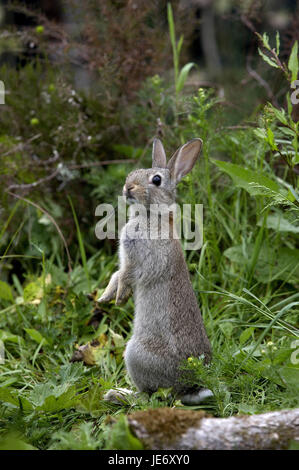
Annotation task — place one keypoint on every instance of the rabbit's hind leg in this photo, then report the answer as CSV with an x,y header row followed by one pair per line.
x,y
148,371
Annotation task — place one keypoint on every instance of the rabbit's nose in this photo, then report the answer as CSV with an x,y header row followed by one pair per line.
x,y
128,188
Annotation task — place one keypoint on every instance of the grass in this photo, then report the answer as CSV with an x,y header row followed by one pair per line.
x,y
245,278
50,402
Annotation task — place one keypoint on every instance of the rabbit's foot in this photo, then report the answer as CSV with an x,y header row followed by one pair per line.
x,y
119,396
197,398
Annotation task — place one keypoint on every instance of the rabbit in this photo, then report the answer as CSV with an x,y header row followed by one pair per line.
x,y
168,327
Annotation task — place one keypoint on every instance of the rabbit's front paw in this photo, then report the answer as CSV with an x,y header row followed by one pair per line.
x,y
106,297
123,293
110,291
108,294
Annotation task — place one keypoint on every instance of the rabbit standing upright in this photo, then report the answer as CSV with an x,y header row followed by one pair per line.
x,y
168,326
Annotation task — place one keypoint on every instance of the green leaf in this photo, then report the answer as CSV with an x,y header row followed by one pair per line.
x,y
290,376
246,334
288,132
280,115
260,133
176,47
118,340
121,437
270,139
49,397
280,224
7,395
13,441
271,264
267,59
277,43
81,437
293,62
179,45
171,24
7,336
35,335
11,397
247,179
5,291
291,196
294,194
183,76
266,41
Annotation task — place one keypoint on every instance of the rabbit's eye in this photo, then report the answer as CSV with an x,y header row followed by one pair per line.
x,y
156,180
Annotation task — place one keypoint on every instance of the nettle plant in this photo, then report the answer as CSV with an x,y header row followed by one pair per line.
x,y
278,132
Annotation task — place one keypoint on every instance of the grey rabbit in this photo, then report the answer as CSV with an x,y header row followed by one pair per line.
x,y
168,326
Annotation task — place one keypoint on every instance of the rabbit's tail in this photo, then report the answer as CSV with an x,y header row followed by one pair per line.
x,y
196,398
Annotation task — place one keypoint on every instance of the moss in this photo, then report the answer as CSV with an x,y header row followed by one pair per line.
x,y
161,427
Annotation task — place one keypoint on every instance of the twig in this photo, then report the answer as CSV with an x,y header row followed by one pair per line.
x,y
246,21
49,160
35,183
261,81
101,163
233,128
180,429
57,171
21,145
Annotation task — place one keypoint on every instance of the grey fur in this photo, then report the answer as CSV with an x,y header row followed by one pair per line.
x,y
168,326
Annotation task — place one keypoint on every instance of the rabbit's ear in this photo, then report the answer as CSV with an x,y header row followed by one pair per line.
x,y
158,155
184,159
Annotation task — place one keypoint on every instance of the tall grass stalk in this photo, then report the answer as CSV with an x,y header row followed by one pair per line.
x,y
81,245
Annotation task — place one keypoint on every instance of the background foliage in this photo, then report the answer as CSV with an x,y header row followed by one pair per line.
x,y
81,112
